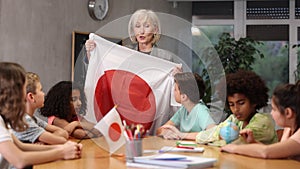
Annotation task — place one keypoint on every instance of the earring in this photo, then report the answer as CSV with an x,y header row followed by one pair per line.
x,y
154,36
154,40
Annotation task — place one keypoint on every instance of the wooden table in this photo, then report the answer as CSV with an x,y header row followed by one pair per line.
x,y
94,157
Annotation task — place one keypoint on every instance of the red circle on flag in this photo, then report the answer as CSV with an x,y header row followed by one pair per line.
x,y
114,131
134,98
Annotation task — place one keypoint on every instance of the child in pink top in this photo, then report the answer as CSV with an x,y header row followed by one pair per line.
x,y
286,113
65,106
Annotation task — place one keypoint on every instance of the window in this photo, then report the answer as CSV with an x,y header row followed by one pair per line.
x,y
272,22
213,33
268,9
213,10
275,50
297,71
297,10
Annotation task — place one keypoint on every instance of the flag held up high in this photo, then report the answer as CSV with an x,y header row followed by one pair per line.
x,y
138,83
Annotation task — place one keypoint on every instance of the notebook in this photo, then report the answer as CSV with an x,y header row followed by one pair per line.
x,y
176,161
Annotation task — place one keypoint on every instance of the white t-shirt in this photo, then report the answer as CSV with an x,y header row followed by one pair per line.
x,y
5,135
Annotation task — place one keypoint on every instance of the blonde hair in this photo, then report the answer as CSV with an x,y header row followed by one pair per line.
x,y
145,15
32,80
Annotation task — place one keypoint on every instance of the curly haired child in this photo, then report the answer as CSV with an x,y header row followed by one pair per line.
x,y
65,106
286,113
193,116
246,94
12,109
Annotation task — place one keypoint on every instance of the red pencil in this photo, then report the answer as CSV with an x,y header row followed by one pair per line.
x,y
186,147
129,134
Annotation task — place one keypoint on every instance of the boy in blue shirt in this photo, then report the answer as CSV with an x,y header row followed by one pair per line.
x,y
193,116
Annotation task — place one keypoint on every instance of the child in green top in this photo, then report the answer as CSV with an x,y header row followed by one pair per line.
x,y
286,112
246,93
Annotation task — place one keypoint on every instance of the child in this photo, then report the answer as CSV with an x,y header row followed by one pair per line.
x,y
286,113
193,116
65,107
246,93
12,110
38,130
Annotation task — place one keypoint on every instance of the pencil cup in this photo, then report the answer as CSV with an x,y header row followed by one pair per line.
x,y
134,148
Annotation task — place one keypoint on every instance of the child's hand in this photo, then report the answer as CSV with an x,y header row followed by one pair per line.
x,y
229,148
172,128
247,134
72,126
171,132
167,126
71,150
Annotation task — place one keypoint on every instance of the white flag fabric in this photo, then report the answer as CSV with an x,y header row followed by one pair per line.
x,y
111,128
139,84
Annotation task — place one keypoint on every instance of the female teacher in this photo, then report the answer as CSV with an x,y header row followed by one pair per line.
x,y
144,32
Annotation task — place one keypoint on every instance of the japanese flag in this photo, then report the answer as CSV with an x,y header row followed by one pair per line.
x,y
139,84
111,128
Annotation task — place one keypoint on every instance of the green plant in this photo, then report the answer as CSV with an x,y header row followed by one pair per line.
x,y
234,55
237,54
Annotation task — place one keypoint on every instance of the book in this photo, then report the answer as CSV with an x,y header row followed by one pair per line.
x,y
166,149
140,165
176,161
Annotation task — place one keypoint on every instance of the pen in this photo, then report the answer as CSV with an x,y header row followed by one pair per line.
x,y
130,136
126,135
186,147
171,158
124,123
181,160
83,137
79,141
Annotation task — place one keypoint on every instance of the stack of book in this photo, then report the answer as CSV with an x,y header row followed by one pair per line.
x,y
176,161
